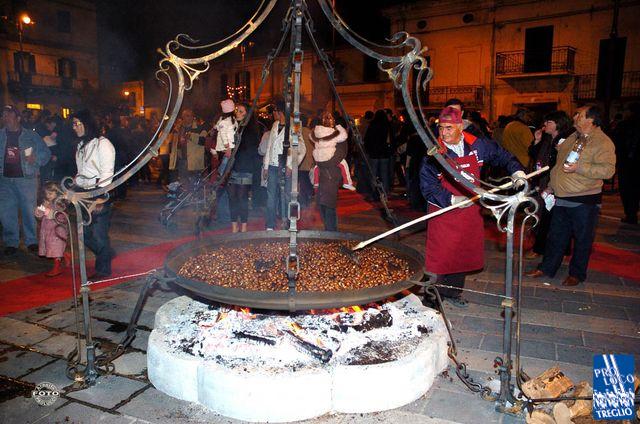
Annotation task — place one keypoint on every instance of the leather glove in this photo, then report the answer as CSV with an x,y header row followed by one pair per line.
x,y
518,182
459,199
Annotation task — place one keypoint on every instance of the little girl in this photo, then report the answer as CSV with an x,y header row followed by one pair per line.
x,y
325,137
53,230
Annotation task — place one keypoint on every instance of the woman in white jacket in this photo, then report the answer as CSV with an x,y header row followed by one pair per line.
x,y
95,159
226,128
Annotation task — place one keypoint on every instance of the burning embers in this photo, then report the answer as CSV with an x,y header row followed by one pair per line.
x,y
294,367
354,335
324,267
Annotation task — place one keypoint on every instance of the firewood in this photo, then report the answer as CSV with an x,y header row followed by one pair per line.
x,y
561,413
582,407
539,417
550,384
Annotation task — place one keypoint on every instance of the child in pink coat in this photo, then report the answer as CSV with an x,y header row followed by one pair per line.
x,y
325,137
53,230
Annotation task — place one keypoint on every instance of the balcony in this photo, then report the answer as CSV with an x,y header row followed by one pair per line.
x,y
471,95
526,64
40,83
584,88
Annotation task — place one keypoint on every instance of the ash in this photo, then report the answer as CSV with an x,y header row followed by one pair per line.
x,y
239,338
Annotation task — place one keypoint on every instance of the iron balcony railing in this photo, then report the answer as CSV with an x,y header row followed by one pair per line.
x,y
471,95
561,60
585,86
24,79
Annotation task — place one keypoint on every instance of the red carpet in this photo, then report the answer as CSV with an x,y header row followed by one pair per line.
x,y
37,290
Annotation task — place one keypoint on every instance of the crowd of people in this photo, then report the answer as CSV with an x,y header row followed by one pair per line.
x,y
37,152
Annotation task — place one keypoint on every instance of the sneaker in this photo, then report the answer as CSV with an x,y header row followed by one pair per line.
x,y
269,229
458,302
349,187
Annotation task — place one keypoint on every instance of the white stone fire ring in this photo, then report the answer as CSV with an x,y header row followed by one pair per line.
x,y
259,367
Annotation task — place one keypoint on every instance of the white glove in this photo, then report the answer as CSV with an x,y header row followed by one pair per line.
x,y
459,199
518,175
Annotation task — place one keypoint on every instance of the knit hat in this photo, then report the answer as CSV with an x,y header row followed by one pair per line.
x,y
227,105
450,115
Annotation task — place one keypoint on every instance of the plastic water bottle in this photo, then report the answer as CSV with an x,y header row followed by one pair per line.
x,y
576,151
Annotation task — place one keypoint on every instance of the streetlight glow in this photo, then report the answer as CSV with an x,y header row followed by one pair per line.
x,y
25,19
126,93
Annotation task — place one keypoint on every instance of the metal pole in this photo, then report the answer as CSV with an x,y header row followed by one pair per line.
x,y
506,400
90,371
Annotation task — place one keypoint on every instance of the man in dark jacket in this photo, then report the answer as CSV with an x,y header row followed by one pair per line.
x,y
455,240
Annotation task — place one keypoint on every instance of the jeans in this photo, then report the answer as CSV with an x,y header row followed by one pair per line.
x,y
223,213
273,195
329,218
18,194
578,223
381,169
96,238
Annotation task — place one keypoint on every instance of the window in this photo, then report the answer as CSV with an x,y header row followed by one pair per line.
x,y
34,106
64,21
24,63
538,47
67,68
66,112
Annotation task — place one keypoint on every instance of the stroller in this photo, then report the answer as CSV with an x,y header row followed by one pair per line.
x,y
201,196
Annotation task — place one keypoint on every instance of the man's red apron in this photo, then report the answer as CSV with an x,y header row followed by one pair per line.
x,y
455,239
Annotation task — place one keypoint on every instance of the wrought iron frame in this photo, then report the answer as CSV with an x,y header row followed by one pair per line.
x,y
181,55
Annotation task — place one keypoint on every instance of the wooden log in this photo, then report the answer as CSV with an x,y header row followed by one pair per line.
x,y
582,407
561,413
539,417
550,384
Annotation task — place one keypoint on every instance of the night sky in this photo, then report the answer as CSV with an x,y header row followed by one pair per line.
x,y
129,32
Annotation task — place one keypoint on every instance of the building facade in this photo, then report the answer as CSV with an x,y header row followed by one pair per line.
x,y
501,55
51,62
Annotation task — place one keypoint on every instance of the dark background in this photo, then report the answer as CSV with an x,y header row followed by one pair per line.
x,y
130,32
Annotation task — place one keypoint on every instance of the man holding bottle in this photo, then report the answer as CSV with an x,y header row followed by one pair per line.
x,y
585,159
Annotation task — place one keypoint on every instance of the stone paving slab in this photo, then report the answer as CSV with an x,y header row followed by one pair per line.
x,y
66,319
529,348
20,333
134,363
157,407
141,341
612,343
480,360
58,344
54,373
577,354
41,312
108,391
593,309
121,313
76,413
15,363
444,404
25,410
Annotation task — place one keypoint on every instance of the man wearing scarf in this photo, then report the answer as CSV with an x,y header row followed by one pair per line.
x,y
455,240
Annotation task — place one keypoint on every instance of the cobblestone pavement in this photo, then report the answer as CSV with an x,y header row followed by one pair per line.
x,y
560,326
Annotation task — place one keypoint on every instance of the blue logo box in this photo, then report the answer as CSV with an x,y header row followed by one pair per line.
x,y
613,394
